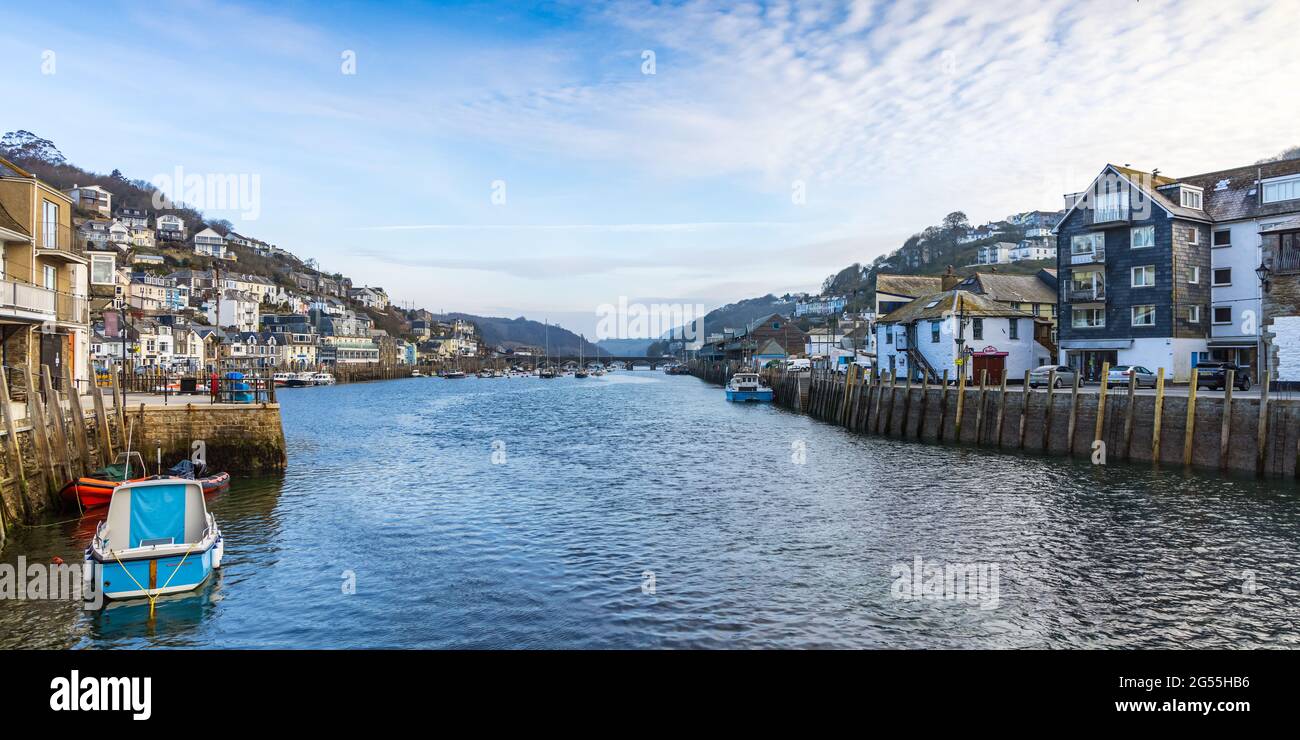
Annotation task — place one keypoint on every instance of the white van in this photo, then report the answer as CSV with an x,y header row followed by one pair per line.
x,y
798,364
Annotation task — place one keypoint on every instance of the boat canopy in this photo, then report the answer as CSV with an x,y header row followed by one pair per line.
x,y
156,512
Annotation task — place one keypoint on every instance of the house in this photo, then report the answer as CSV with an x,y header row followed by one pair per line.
x,y
369,297
819,306
169,228
91,198
94,233
1281,302
209,243
895,291
234,308
44,289
133,218
141,237
1163,269
994,254
1033,293
1041,248
251,350
961,332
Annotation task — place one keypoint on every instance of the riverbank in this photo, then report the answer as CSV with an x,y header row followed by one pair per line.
x,y
1259,435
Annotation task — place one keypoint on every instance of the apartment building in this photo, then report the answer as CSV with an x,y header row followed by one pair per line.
x,y
43,282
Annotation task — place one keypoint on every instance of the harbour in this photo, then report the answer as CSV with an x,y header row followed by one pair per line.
x,y
642,510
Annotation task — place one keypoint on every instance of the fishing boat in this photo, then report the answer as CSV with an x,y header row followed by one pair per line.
x,y
300,380
281,379
96,489
323,379
453,374
158,539
747,387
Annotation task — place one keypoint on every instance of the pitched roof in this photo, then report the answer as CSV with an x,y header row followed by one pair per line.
x,y
911,286
9,169
939,305
9,222
1012,288
1233,194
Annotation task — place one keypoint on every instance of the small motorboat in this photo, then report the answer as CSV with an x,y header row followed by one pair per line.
x,y
323,379
454,374
281,379
158,539
300,380
747,387
96,489
212,483
417,374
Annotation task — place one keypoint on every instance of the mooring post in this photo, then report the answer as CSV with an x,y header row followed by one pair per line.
x,y
1101,405
1024,410
1002,406
1128,415
11,440
979,411
1225,432
961,402
1189,432
1074,416
889,412
1261,435
1047,411
925,402
907,406
943,406
1159,414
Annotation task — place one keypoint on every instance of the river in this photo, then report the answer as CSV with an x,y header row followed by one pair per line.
x,y
640,510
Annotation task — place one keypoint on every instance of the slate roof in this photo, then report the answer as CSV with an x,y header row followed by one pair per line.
x,y
911,286
1238,198
1012,288
952,301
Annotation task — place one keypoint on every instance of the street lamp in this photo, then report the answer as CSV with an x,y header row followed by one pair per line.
x,y
1264,273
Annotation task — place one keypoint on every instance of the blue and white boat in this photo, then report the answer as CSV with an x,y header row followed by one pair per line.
x,y
747,387
158,539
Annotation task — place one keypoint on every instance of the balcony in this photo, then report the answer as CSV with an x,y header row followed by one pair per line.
x,y
72,309
59,242
1087,295
26,302
1094,257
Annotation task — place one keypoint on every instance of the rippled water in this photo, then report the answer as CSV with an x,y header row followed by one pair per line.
x,y
606,479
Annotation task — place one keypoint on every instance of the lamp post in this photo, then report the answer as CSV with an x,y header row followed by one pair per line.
x,y
1265,273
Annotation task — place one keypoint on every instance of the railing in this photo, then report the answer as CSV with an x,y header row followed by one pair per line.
x,y
27,297
1288,253
73,308
1087,258
1107,215
59,238
1087,295
154,381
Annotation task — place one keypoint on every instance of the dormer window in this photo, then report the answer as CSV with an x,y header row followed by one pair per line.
x,y
1190,197
1280,189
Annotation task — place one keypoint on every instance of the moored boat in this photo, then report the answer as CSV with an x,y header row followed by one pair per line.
x,y
747,387
158,539
96,489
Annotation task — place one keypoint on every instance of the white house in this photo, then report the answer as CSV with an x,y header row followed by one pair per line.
x,y
170,228
922,337
210,244
91,197
994,254
237,309
1034,249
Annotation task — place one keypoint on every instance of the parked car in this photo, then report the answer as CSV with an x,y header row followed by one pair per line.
x,y
1043,374
1120,374
1214,375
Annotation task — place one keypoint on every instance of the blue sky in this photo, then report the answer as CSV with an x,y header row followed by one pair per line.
x,y
675,186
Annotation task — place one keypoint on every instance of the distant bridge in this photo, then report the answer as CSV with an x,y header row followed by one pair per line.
x,y
474,364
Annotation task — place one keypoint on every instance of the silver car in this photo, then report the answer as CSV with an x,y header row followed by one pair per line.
x,y
1120,374
1043,375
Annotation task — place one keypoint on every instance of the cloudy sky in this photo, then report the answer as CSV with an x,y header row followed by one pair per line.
x,y
498,159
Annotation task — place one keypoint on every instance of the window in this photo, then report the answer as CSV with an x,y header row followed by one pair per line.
x,y
1222,276
1288,189
1194,315
1144,316
934,331
1088,318
1222,238
51,280
1223,314
977,328
1193,236
1191,198
1014,328
889,335
1087,243
1142,237
49,224
1144,277
1194,276
102,267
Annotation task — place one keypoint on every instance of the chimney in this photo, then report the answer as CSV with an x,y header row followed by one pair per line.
x,y
949,280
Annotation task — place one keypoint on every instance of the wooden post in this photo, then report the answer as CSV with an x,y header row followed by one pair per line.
x,y
78,420
40,432
1047,412
880,393
1024,410
119,408
1128,416
961,403
925,402
1002,406
1225,432
1189,432
848,393
907,406
1261,438
1099,430
979,411
55,408
11,439
101,421
889,412
1074,416
943,405
1159,414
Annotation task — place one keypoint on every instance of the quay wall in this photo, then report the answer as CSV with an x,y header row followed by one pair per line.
x,y
1226,434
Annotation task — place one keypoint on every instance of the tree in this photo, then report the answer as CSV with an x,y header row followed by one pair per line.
x,y
955,221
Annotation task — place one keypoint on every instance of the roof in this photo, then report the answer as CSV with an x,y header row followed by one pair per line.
x,y
9,222
952,301
9,169
1012,288
911,286
1230,195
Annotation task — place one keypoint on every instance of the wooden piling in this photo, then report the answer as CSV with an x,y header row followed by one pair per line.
x,y
1225,431
101,423
55,409
1261,435
1048,410
1159,415
78,420
1074,416
907,406
119,408
943,406
961,403
40,433
1002,406
880,393
11,440
979,411
1024,410
925,402
1100,428
889,412
1128,416
1189,432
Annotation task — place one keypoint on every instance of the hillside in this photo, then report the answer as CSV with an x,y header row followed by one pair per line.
x,y
511,333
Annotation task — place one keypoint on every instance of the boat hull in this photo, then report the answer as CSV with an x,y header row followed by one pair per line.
x,y
89,492
764,394
122,579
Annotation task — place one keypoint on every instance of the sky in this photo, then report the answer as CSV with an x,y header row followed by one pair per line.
x,y
507,159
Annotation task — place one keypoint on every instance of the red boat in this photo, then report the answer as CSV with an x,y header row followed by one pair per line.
x,y
97,489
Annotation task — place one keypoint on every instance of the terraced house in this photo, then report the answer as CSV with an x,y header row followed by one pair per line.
x,y
1162,271
43,282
